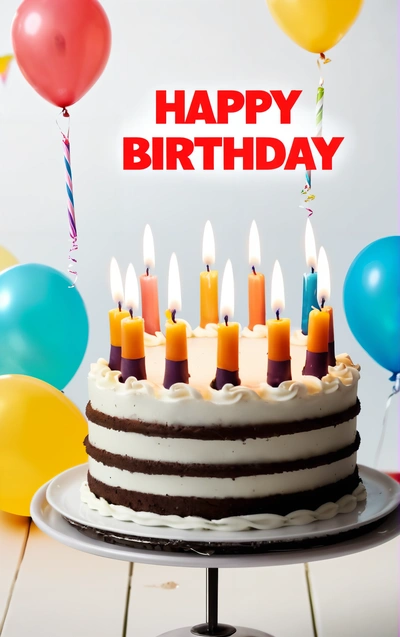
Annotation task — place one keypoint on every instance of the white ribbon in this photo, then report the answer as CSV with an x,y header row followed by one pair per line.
x,y
396,390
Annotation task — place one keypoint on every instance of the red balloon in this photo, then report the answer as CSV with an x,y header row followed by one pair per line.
x,y
61,46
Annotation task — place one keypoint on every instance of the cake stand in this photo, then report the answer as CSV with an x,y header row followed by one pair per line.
x,y
381,526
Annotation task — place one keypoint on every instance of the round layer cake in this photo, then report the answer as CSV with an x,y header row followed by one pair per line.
x,y
251,456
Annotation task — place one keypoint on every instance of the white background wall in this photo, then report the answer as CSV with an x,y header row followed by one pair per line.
x,y
208,44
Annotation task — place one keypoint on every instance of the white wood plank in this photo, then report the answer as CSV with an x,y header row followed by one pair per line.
x,y
61,592
358,595
155,608
257,598
261,598
13,532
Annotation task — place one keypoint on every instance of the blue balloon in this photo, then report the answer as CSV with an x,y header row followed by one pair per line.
x,y
44,326
372,301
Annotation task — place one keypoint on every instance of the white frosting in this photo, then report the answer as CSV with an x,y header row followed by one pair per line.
x,y
152,340
256,486
197,404
185,405
258,331
262,521
298,338
209,331
187,451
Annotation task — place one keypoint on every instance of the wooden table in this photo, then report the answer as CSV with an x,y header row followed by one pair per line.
x,y
50,590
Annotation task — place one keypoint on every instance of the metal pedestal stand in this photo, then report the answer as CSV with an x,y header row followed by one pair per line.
x,y
212,627
376,523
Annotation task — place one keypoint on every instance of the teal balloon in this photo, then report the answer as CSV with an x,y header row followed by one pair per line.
x,y
44,326
372,301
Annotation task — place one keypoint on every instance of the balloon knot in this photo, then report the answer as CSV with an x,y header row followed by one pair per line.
x,y
395,378
324,59
64,112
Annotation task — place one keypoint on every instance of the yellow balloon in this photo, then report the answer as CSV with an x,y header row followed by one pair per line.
x,y
41,434
6,259
315,25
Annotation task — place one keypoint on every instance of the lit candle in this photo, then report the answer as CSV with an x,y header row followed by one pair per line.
x,y
318,325
309,280
279,366
208,280
149,286
228,336
116,315
176,363
132,332
324,294
256,281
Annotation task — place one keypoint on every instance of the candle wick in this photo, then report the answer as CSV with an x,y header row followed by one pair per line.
x,y
226,320
120,306
322,303
277,315
147,271
312,270
173,314
254,270
131,312
208,268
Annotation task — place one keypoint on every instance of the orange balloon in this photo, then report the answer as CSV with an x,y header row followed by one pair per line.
x,y
41,435
315,25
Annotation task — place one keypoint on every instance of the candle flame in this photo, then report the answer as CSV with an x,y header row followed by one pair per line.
x,y
208,245
131,289
277,289
311,250
228,292
148,248
117,288
324,277
254,246
174,286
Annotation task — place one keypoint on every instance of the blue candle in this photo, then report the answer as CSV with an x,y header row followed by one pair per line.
x,y
309,298
309,280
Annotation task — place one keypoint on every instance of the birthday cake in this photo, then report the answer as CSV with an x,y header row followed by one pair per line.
x,y
222,428
248,456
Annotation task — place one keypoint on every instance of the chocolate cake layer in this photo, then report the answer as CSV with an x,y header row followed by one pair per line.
x,y
216,470
217,508
220,432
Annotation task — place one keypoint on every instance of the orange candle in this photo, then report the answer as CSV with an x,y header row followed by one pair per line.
x,y
132,337
132,327
279,365
331,334
116,315
318,331
324,291
331,338
176,340
208,297
149,286
228,346
318,336
256,282
208,280
176,364
279,339
317,354
132,332
228,336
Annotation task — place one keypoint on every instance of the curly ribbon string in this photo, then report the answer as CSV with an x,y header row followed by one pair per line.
x,y
319,113
395,391
70,194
